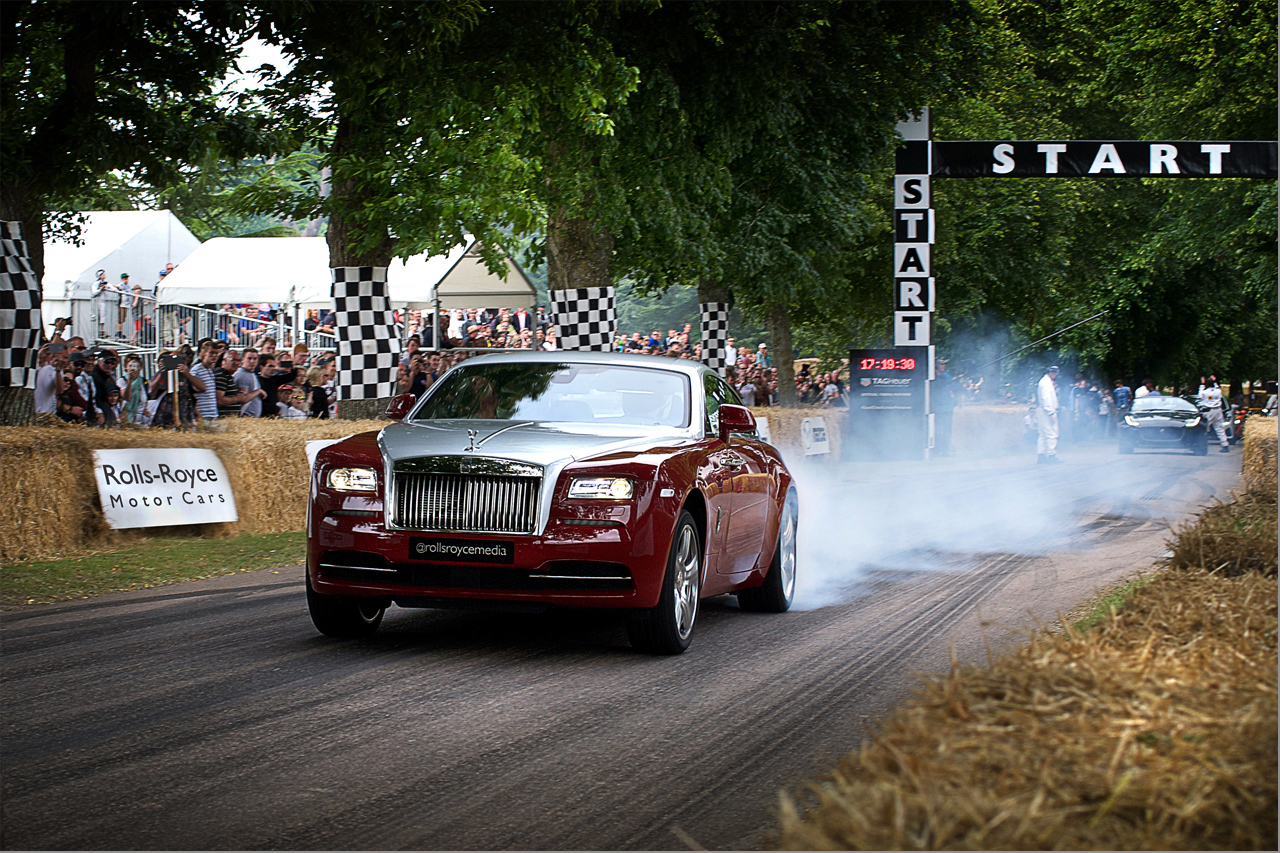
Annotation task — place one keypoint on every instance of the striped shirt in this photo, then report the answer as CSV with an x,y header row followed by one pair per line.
x,y
206,400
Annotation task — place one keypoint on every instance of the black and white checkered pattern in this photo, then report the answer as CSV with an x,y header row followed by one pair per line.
x,y
715,334
368,347
586,318
19,311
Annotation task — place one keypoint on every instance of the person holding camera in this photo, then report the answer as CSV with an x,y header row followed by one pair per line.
x,y
188,386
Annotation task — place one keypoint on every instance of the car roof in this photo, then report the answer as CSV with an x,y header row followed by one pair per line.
x,y
693,369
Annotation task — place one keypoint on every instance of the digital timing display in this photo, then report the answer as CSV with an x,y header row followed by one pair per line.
x,y
887,364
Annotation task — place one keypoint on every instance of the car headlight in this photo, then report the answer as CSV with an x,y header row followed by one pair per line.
x,y
610,488
353,480
1194,421
1130,420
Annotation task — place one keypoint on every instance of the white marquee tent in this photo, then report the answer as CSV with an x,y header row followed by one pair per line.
x,y
295,271
138,242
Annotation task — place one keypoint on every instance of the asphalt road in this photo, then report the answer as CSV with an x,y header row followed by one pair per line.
x,y
210,715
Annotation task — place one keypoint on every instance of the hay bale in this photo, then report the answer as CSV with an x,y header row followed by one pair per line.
x,y
988,429
1232,538
784,427
1259,458
52,507
1156,730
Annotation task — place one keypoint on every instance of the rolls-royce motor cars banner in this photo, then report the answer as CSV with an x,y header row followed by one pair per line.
x,y
157,487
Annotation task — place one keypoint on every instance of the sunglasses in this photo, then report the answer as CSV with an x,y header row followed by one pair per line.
x,y
299,396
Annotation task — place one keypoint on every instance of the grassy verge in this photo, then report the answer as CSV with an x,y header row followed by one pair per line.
x,y
1148,724
143,564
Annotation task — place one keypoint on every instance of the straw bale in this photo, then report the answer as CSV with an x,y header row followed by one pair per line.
x,y
784,427
1155,730
1259,458
52,509
987,429
1232,538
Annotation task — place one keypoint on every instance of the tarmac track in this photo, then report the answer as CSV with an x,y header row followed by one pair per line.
x,y
210,715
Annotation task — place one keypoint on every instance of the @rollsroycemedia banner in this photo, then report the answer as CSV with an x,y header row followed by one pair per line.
x,y
157,487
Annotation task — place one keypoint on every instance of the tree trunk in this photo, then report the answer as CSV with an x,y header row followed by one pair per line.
x,y
17,402
348,195
579,251
344,239
579,247
713,305
18,203
779,321
17,406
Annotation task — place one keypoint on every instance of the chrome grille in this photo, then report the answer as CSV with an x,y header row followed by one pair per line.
x,y
466,503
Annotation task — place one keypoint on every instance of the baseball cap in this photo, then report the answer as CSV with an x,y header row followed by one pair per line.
x,y
284,388
77,358
164,273
124,275
1052,367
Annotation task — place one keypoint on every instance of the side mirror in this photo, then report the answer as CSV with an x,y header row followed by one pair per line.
x,y
735,419
400,406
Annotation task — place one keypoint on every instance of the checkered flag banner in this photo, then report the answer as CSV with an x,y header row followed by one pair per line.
x,y
586,318
368,346
19,311
715,334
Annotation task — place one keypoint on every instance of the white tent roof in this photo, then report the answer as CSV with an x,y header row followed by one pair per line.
x,y
296,270
138,242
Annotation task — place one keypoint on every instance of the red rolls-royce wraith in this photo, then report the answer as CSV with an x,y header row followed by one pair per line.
x,y
534,480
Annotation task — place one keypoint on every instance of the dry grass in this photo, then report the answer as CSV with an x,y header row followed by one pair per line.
x,y
1232,538
1155,730
1259,460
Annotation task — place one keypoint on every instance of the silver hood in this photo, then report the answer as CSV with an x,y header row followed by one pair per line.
x,y
545,444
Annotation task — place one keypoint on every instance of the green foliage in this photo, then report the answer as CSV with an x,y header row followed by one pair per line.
x,y
90,90
1186,268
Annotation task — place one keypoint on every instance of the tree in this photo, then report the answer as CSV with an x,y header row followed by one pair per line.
x,y
91,89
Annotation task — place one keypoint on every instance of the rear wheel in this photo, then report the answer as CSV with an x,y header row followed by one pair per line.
x,y
667,629
779,587
1126,443
342,616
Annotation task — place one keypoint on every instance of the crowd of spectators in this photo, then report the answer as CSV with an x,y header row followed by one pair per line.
x,y
210,381
239,371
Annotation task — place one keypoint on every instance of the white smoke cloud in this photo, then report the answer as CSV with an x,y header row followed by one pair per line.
x,y
865,517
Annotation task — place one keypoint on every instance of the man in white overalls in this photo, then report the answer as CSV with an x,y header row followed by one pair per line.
x,y
1047,417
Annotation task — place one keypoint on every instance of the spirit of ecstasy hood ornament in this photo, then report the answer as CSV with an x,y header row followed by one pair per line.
x,y
471,435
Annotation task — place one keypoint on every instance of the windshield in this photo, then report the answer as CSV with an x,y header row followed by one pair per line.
x,y
573,393
1162,404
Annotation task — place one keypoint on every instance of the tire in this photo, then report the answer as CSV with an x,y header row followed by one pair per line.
x,y
1201,448
779,587
1126,444
667,629
344,617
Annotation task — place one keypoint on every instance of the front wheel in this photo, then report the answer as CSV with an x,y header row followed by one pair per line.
x,y
667,629
1126,444
342,616
779,587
